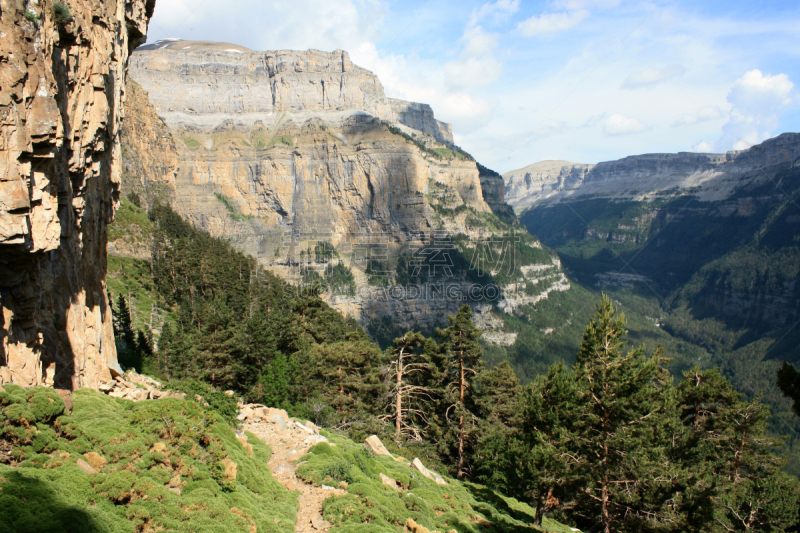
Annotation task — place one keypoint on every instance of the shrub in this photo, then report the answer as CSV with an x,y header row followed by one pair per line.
x,y
221,403
61,13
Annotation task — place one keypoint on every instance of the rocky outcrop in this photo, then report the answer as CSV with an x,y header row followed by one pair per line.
x,y
270,143
203,84
420,117
284,149
152,172
711,177
62,81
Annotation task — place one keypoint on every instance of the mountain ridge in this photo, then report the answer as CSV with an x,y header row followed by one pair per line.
x,y
272,149
646,177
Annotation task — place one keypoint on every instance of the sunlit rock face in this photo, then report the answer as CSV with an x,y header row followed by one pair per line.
x,y
271,149
62,88
294,141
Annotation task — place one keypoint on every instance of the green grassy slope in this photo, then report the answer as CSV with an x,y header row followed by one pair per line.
x,y
140,452
372,506
173,465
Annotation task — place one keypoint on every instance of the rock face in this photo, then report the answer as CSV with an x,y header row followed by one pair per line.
x,y
275,149
301,142
62,83
194,83
711,177
420,117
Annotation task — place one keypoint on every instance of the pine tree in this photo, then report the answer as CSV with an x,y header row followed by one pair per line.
x,y
622,436
128,350
736,483
462,353
346,375
123,325
407,363
529,457
164,342
497,392
789,383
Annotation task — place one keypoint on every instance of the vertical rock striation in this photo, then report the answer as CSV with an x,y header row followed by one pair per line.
x,y
272,142
62,87
281,150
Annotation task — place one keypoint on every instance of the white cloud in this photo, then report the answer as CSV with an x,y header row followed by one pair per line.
x,y
703,147
421,81
652,76
574,5
442,60
172,13
477,65
704,114
272,24
621,125
547,23
468,111
501,8
757,103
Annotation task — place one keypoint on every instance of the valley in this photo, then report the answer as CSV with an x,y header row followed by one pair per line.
x,y
250,291
716,268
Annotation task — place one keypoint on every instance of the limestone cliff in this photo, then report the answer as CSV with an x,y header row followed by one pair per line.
x,y
711,177
304,142
62,89
280,148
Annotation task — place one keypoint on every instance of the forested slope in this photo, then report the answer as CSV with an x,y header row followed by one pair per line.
x,y
720,279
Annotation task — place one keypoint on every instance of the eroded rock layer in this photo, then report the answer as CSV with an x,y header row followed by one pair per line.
x,y
270,143
711,177
279,150
62,88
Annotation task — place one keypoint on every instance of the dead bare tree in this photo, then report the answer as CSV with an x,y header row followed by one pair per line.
x,y
407,361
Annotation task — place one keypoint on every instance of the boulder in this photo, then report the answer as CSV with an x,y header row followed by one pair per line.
x,y
388,481
416,464
281,412
303,427
257,413
86,467
374,444
314,439
278,419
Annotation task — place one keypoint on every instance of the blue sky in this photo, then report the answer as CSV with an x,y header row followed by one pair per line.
x,y
523,81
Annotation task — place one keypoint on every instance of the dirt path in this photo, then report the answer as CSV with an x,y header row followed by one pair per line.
x,y
288,445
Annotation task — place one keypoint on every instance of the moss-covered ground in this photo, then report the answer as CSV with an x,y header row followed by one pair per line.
x,y
372,506
161,465
112,465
